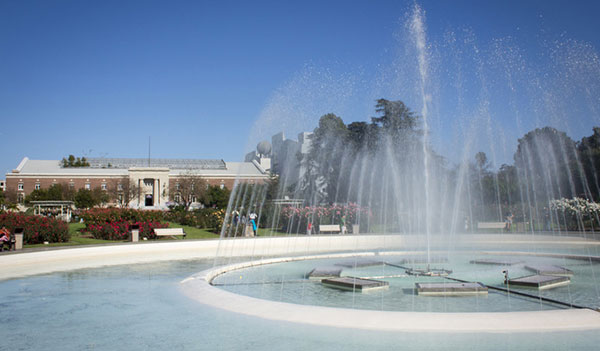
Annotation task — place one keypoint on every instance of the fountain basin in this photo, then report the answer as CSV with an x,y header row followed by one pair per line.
x,y
198,287
355,284
541,282
451,289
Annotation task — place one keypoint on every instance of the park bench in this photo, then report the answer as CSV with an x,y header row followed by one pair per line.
x,y
11,244
8,245
172,232
332,228
491,225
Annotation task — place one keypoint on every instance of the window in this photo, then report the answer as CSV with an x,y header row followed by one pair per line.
x,y
194,199
120,198
20,198
120,187
177,186
222,186
177,198
103,186
37,186
20,186
71,185
87,186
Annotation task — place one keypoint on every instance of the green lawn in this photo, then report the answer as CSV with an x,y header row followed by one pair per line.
x,y
195,233
79,238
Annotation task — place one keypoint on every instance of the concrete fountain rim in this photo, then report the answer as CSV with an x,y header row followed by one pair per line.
x,y
199,288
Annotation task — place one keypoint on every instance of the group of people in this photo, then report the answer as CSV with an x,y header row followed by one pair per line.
x,y
252,220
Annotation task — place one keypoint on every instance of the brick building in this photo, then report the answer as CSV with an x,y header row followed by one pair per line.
x,y
155,178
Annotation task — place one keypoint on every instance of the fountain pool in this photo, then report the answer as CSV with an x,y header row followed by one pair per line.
x,y
132,297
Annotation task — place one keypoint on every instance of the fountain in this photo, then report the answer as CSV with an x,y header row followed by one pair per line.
x,y
439,280
387,179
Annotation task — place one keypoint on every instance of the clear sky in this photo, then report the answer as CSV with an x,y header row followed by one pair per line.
x,y
98,78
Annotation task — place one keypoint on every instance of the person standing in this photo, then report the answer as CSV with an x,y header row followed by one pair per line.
x,y
236,217
253,218
509,221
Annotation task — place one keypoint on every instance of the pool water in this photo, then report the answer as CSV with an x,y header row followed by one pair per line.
x,y
287,282
140,307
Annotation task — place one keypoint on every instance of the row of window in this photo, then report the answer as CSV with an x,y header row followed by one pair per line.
x,y
37,186
178,186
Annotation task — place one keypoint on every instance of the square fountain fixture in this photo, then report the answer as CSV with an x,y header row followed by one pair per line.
x,y
355,284
359,262
324,272
423,260
541,282
495,262
451,289
543,269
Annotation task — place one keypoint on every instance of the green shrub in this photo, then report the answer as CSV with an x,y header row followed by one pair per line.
x,y
36,229
104,215
120,230
201,218
113,223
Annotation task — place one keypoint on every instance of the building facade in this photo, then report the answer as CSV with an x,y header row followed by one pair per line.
x,y
283,156
156,180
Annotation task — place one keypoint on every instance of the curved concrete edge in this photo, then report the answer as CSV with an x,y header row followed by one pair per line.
x,y
42,262
198,287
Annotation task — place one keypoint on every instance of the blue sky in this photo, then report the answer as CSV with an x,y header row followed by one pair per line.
x,y
97,78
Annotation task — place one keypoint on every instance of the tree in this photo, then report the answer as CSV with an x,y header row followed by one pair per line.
x,y
71,161
189,188
56,192
589,155
323,160
363,136
11,197
544,161
508,184
216,197
85,199
100,196
123,190
482,162
397,120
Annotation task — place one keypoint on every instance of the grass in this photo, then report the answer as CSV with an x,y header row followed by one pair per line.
x,y
80,238
195,233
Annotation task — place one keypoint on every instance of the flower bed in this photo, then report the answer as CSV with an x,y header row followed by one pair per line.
x,y
576,213
113,223
119,230
36,229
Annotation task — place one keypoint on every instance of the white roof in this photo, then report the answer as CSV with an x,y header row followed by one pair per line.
x,y
53,168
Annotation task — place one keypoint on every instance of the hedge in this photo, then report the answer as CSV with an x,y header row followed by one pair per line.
x,y
113,223
104,215
120,230
200,218
36,229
